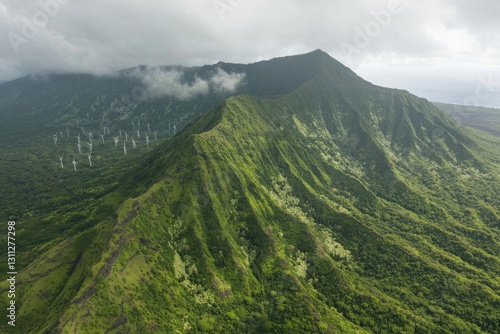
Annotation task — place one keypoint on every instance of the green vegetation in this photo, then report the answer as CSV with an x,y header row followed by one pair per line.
x,y
330,206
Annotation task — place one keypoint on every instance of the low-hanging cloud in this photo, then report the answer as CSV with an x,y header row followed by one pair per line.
x,y
159,83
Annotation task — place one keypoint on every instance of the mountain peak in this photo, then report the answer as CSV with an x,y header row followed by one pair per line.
x,y
319,52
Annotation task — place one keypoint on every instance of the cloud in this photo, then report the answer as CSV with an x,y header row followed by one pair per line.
x,y
226,82
160,82
105,36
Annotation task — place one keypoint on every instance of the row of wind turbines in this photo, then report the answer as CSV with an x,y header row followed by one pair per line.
x,y
146,137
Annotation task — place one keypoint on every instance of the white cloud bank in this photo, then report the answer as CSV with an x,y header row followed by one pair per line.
x,y
226,82
160,83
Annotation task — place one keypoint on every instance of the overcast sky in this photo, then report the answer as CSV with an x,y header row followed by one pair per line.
x,y
422,46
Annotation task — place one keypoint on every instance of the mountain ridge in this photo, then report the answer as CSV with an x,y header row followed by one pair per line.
x,y
336,206
203,143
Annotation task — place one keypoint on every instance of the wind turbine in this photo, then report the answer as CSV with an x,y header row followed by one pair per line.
x,y
148,127
155,134
133,124
55,139
134,145
126,136
147,140
79,148
61,159
90,158
77,125
90,136
67,132
138,133
175,129
74,163
116,139
78,139
102,137
139,123
120,133
124,148
61,134
90,146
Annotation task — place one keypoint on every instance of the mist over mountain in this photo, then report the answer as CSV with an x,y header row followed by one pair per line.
x,y
287,196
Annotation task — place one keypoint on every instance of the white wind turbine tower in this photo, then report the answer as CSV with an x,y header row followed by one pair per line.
x,y
126,136
105,129
102,137
90,158
148,127
120,133
74,163
116,139
91,136
61,159
155,134
138,133
139,123
55,139
90,146
61,134
133,124
79,146
67,132
175,129
134,145
124,148
77,125
147,140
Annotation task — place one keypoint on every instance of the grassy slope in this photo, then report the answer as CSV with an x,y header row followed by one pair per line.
x,y
259,219
354,209
36,192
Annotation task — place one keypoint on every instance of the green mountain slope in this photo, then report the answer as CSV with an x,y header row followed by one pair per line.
x,y
34,108
333,206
